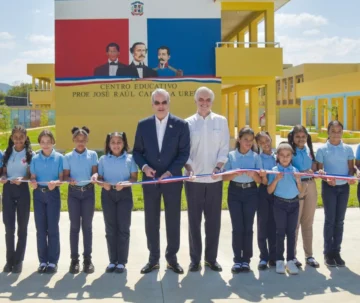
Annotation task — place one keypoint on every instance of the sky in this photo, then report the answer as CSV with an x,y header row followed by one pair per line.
x,y
309,31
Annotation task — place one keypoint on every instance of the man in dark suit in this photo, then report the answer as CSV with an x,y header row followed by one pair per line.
x,y
137,68
161,149
113,65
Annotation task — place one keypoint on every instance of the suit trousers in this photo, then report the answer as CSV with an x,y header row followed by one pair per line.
x,y
171,193
307,207
16,207
204,198
117,207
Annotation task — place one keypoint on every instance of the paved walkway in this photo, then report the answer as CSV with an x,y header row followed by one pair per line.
x,y
311,285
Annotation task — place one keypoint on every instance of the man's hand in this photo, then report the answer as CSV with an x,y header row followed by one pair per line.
x,y
167,174
214,172
149,172
106,186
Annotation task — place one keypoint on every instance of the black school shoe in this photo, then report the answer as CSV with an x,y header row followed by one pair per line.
x,y
88,267
338,260
74,266
41,269
329,260
8,268
51,269
17,268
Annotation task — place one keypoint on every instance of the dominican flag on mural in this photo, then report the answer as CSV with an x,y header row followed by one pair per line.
x,y
148,38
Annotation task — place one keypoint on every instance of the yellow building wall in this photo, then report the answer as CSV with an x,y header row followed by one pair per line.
x,y
331,85
108,114
318,71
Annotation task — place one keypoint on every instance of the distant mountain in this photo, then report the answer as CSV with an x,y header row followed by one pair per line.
x,y
5,87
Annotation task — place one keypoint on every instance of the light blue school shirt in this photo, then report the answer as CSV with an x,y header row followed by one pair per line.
x,y
358,153
48,168
17,166
80,165
302,160
286,187
1,158
268,161
116,169
237,160
335,159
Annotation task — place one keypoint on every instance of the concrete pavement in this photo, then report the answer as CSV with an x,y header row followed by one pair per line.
x,y
311,285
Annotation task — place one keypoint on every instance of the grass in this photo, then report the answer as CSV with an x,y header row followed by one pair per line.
x,y
139,200
345,135
137,190
282,127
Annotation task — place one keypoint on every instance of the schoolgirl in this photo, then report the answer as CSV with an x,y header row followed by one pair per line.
x,y
243,197
116,169
16,196
357,163
286,186
46,176
79,166
335,157
304,161
266,228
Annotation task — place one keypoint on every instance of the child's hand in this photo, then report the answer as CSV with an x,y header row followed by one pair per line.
x,y
262,173
297,177
321,172
279,176
107,186
251,174
331,182
52,185
16,181
72,182
33,184
352,182
3,180
94,178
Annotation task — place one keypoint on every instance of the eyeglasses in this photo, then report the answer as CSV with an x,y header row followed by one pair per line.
x,y
162,103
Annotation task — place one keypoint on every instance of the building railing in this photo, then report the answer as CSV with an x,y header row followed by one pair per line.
x,y
219,44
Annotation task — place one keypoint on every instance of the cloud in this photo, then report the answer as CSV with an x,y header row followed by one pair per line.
x,y
7,45
6,36
299,50
44,54
311,32
42,39
299,20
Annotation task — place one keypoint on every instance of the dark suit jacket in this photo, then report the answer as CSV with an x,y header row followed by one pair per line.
x,y
103,70
131,71
175,149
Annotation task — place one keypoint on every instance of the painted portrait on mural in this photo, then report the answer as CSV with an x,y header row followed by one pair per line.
x,y
164,69
111,67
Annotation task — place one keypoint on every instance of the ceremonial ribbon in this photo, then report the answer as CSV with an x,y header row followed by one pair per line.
x,y
191,178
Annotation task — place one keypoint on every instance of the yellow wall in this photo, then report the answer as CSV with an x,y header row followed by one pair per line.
x,y
107,114
331,85
317,71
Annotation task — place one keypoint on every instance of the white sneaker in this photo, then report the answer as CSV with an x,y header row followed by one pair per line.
x,y
280,267
292,268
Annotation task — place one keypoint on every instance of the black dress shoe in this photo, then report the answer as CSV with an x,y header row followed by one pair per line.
x,y
41,269
237,268
17,268
176,268
338,260
8,267
74,266
110,269
149,268
272,263
195,267
88,267
215,266
119,270
51,269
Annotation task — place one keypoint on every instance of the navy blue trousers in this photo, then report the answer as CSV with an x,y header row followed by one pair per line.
x,y
16,207
117,207
243,204
81,206
335,200
47,216
266,227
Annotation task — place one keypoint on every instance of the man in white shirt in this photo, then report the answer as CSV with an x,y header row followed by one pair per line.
x,y
209,149
161,149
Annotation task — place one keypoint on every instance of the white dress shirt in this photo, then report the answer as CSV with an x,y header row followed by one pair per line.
x,y
140,70
209,144
113,68
160,130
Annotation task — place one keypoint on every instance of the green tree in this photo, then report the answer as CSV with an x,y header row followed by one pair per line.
x,y
311,110
2,95
5,121
20,90
44,118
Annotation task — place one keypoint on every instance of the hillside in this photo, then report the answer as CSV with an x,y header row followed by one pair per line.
x,y
4,87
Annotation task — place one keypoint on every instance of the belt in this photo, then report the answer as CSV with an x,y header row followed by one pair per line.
x,y
296,199
82,188
307,179
244,185
43,189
